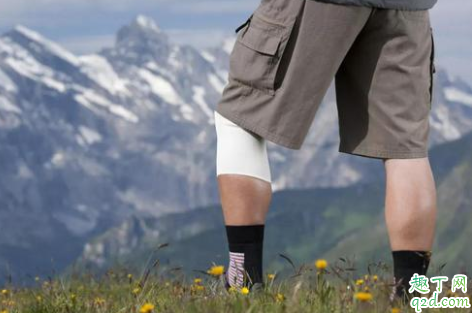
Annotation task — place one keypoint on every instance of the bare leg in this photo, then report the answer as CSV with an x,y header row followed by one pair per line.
x,y
243,171
245,199
244,183
410,204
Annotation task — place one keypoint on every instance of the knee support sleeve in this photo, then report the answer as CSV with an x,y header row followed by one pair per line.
x,y
240,151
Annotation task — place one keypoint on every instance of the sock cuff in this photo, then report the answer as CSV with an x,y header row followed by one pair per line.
x,y
245,234
411,259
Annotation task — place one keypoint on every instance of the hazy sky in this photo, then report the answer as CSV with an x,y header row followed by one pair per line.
x,y
84,26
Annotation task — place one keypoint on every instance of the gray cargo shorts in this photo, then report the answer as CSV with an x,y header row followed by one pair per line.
x,y
288,52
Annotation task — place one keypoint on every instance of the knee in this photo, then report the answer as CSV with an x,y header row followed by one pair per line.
x,y
239,151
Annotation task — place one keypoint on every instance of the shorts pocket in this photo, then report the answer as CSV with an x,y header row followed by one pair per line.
x,y
259,47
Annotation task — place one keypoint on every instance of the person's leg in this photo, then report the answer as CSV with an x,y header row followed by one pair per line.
x,y
245,199
384,92
244,183
274,93
410,212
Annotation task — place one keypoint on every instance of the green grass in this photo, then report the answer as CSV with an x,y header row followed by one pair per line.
x,y
307,289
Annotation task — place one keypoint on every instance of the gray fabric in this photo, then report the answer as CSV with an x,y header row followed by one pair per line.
x,y
285,58
388,4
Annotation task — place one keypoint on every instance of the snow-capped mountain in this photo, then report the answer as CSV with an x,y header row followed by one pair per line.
x,y
85,141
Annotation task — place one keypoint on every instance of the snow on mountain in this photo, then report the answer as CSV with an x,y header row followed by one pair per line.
x,y
98,69
453,94
42,45
161,87
24,64
6,105
6,83
146,22
89,140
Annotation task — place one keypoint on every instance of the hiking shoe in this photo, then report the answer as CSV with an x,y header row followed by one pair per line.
x,y
253,288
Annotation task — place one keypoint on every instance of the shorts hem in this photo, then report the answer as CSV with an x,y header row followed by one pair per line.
x,y
264,133
252,175
384,154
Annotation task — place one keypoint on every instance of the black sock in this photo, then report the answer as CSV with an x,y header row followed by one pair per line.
x,y
247,242
405,265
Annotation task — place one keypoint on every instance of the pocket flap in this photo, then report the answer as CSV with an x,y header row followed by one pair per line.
x,y
260,40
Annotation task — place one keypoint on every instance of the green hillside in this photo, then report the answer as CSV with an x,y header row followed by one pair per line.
x,y
305,225
452,165
301,224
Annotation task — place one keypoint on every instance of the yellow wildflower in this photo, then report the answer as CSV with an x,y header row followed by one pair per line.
x,y
146,308
395,310
359,282
279,297
216,270
199,287
136,290
99,301
449,293
244,290
9,303
39,299
5,292
4,311
130,276
271,276
375,278
363,296
197,281
321,264
73,297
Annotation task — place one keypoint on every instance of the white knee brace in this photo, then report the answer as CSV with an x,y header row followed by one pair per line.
x,y
239,151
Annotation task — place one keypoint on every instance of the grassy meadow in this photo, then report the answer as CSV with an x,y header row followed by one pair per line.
x,y
316,287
